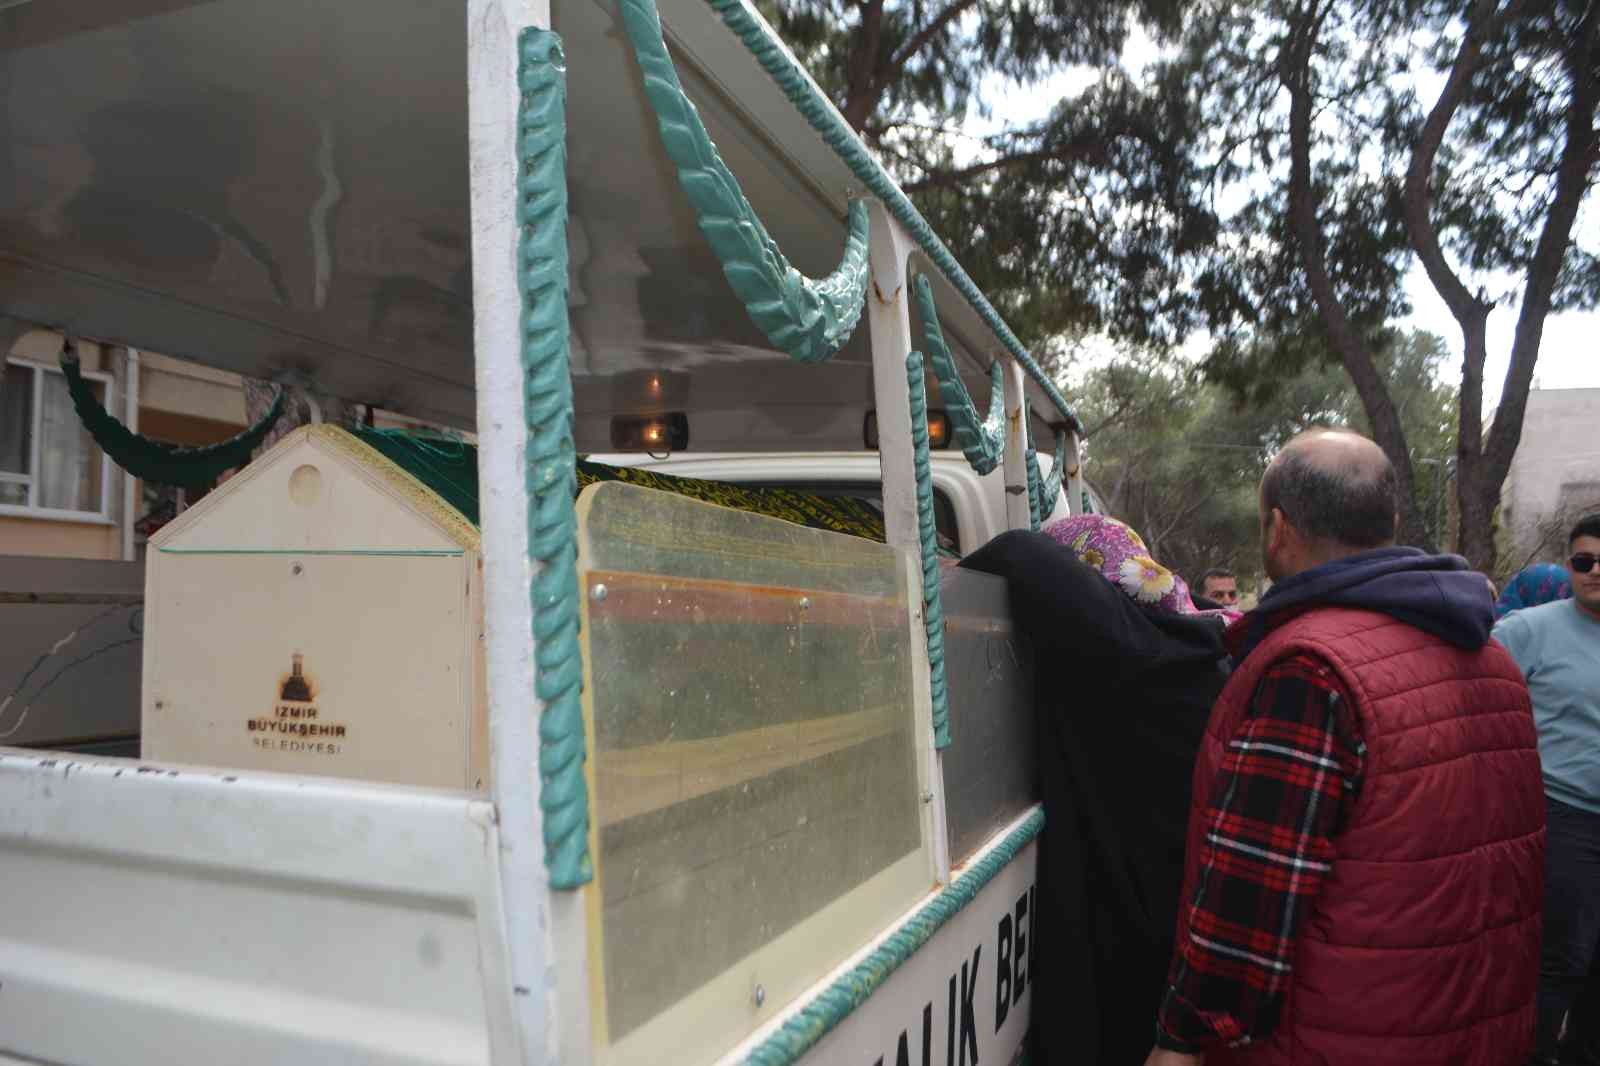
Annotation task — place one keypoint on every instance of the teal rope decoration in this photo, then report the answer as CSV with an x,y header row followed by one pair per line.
x,y
764,44
836,1002
810,320
984,442
157,461
551,459
1031,459
1050,487
932,606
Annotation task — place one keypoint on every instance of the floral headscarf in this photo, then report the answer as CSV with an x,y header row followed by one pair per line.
x,y
1539,583
1123,559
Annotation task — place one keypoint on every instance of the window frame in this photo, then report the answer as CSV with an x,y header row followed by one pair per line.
x,y
31,479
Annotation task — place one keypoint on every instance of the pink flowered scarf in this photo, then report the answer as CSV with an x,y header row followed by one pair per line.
x,y
1122,559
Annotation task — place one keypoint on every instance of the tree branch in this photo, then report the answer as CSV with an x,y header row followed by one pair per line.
x,y
946,178
1578,158
1126,406
1294,65
920,39
1471,313
863,86
1086,145
1184,514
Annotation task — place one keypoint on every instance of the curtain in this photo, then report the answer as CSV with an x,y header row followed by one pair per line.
x,y
69,461
16,430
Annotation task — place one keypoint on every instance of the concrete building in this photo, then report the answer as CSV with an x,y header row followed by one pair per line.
x,y
1555,477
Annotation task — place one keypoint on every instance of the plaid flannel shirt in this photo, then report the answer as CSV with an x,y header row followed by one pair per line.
x,y
1288,776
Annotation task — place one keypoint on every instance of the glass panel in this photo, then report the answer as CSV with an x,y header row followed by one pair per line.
x,y
16,420
69,459
755,760
989,773
14,492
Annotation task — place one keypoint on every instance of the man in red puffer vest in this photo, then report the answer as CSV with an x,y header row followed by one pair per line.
x,y
1365,860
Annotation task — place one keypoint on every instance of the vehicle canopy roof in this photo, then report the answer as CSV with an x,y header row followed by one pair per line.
x,y
281,190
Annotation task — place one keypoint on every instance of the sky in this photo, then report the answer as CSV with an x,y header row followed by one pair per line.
x,y
1569,354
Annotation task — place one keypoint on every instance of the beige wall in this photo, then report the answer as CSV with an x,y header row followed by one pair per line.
x,y
168,384
47,536
1559,452
43,346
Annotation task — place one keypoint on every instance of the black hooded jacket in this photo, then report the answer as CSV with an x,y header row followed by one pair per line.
x,y
1439,594
1123,698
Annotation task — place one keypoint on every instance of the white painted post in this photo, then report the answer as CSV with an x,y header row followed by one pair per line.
x,y
1072,477
889,320
1016,451
130,418
493,97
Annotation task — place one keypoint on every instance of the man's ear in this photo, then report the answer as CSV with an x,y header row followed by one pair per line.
x,y
1277,529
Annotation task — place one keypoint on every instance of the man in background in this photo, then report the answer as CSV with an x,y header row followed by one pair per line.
x,y
1557,644
1220,586
1365,861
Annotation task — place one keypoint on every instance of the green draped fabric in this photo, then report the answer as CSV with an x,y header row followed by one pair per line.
x,y
154,460
449,466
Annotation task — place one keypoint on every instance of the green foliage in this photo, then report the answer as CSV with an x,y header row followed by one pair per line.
x,y
1249,185
1156,206
1180,458
1176,462
908,75
920,59
1166,203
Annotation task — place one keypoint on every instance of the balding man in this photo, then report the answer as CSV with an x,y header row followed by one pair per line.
x,y
1365,861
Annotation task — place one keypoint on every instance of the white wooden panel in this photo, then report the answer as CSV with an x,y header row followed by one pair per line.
x,y
157,915
386,658
944,1002
306,495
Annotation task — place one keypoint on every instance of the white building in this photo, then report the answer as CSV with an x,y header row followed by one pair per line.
x,y
1555,477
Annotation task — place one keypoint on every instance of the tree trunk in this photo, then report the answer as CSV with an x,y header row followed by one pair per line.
x,y
1477,498
863,87
1485,459
1343,334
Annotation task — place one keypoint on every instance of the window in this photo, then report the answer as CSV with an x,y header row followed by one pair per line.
x,y
49,465
944,512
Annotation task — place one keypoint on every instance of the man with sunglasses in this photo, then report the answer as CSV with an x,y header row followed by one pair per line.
x,y
1558,647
